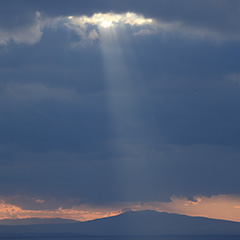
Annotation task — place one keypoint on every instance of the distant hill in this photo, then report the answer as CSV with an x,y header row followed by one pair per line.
x,y
142,223
30,221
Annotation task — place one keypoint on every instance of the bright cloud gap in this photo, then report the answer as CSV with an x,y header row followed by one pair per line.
x,y
107,20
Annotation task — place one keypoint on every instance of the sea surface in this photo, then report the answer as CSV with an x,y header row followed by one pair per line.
x,y
128,238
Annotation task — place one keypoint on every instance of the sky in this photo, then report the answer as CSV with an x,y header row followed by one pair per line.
x,y
108,106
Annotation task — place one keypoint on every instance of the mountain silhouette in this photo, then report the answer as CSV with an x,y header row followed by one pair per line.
x,y
141,223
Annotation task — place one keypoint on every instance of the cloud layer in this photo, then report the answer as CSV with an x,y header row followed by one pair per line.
x,y
98,107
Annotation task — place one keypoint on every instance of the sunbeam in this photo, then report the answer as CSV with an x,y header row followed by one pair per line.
x,y
113,33
123,104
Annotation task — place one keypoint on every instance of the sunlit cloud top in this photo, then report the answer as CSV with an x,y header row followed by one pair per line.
x,y
107,20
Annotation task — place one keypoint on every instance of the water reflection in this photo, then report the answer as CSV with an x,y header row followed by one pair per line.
x,y
128,238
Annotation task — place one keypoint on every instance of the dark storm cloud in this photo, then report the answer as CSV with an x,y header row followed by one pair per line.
x,y
195,77
59,136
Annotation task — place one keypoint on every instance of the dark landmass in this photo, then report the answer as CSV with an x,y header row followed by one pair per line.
x,y
142,223
31,221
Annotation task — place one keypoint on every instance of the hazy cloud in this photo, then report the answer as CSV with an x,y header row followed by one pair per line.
x,y
29,33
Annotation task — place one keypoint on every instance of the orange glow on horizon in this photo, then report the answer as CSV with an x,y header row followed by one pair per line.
x,y
226,207
9,211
